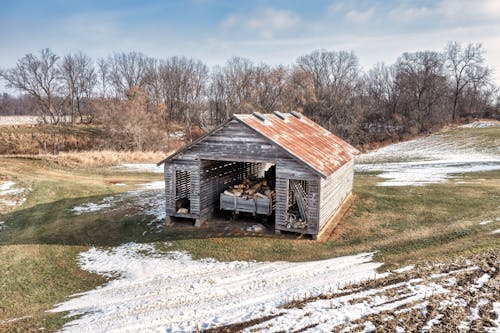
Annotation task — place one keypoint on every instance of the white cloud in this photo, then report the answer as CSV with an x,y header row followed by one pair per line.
x,y
454,11
265,22
359,16
336,6
483,9
407,13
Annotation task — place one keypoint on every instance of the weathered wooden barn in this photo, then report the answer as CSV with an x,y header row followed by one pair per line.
x,y
312,169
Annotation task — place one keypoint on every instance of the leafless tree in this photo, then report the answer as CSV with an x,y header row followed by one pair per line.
x,y
133,94
242,87
422,86
183,89
466,67
127,71
336,82
79,78
103,77
38,77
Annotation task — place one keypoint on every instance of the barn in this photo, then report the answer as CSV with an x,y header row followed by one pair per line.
x,y
308,172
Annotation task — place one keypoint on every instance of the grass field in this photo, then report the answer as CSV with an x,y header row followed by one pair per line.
x,y
40,239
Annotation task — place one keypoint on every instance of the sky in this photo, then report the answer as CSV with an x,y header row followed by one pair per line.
x,y
274,32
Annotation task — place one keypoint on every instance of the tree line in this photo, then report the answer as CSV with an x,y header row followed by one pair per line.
x,y
140,99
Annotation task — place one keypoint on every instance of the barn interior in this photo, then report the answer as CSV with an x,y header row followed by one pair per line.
x,y
235,186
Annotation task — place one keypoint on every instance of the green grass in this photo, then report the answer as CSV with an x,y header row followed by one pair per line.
x,y
33,278
41,239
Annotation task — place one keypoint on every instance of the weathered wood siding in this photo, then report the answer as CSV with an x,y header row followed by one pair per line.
x,y
286,169
234,142
333,190
170,169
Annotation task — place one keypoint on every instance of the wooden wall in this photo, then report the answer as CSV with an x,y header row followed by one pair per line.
x,y
234,142
334,190
169,173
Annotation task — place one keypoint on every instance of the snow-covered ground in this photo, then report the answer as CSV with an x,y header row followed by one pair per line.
x,y
482,124
173,293
457,298
148,199
10,195
431,159
141,167
170,292
19,120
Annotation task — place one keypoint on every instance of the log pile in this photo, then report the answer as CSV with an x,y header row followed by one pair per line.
x,y
251,188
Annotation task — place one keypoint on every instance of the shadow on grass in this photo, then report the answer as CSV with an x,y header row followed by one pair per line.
x,y
54,223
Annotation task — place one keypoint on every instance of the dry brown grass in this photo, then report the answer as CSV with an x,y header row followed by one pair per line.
x,y
109,158
96,158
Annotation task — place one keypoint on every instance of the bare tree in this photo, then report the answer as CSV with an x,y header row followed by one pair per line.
x,y
183,89
38,77
242,87
103,76
336,82
466,67
79,79
421,81
127,71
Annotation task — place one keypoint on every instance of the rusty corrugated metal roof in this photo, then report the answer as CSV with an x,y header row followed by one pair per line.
x,y
304,139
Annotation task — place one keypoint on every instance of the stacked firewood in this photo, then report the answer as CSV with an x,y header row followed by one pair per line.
x,y
251,188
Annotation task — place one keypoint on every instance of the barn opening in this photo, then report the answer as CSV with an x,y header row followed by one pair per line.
x,y
238,187
297,204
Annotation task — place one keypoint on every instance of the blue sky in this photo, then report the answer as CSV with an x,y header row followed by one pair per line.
x,y
270,31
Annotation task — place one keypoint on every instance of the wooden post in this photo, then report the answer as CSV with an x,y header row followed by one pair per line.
x,y
168,221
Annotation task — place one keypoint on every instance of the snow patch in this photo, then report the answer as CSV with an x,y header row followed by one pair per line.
x,y
432,322
428,160
6,188
496,310
171,292
481,124
90,207
9,194
482,280
343,310
425,172
149,199
465,325
142,167
157,185
404,269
